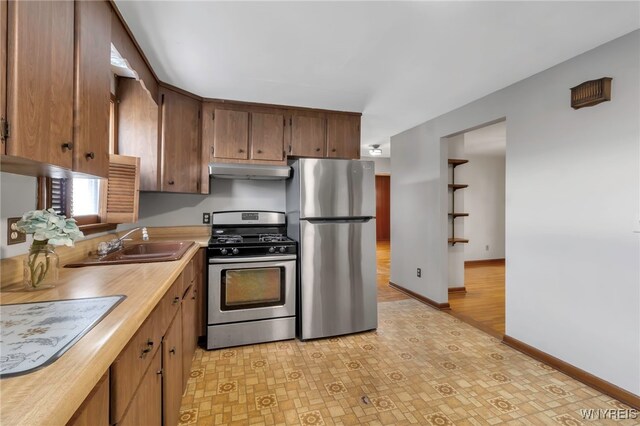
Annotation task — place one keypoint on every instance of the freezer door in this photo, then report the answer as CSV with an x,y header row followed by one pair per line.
x,y
337,277
336,188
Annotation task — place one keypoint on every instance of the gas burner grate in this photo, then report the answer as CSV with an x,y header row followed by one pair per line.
x,y
271,238
229,239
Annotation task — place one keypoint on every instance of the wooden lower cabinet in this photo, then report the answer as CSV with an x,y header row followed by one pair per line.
x,y
189,331
172,372
201,293
150,374
146,406
95,409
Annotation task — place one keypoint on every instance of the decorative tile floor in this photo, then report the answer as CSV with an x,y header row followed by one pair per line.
x,y
421,367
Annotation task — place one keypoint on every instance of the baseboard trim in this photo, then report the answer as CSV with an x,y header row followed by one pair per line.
x,y
589,379
421,298
462,289
484,262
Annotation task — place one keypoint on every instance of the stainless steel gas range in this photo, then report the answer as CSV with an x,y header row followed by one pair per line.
x,y
252,279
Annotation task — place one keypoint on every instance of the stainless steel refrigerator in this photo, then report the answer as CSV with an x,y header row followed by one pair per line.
x,y
331,208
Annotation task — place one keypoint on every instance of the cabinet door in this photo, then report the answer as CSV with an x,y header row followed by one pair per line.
x,y
92,87
172,371
308,136
201,295
146,405
189,332
138,129
343,136
180,142
94,411
40,81
230,134
267,136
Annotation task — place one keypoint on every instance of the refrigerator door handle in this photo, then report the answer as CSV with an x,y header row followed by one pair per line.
x,y
340,220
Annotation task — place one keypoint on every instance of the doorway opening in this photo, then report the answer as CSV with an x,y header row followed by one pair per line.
x,y
476,220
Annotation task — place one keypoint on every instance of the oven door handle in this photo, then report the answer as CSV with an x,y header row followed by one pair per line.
x,y
223,260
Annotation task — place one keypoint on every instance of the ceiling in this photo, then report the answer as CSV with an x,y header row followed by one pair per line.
x,y
488,140
399,63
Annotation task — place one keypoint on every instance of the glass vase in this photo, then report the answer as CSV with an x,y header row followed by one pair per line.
x,y
41,267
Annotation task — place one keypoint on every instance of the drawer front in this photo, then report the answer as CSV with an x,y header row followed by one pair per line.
x,y
128,369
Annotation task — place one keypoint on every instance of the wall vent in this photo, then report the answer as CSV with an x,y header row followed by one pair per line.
x,y
591,93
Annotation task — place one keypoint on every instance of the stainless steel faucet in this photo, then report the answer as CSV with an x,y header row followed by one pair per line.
x,y
105,248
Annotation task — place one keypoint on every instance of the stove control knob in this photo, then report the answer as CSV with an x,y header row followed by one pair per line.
x,y
235,251
223,251
282,249
272,249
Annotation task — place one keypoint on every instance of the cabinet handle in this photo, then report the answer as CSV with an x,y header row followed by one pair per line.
x,y
90,155
333,150
317,149
175,300
171,182
259,151
148,349
159,372
241,151
211,150
67,146
172,350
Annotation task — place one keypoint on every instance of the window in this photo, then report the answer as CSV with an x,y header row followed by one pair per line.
x,y
81,199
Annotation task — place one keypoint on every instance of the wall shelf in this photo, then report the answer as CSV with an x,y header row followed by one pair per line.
x,y
453,186
457,162
454,241
456,186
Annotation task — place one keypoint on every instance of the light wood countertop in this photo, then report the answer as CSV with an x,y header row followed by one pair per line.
x,y
53,394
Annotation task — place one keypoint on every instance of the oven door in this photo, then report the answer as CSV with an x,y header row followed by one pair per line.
x,y
246,289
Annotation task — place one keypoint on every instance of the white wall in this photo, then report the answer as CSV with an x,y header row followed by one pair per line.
x,y
383,164
17,196
484,200
572,203
164,209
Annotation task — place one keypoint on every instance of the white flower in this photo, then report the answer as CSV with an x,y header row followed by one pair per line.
x,y
47,225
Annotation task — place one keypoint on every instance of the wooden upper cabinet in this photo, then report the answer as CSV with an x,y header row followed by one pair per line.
x,y
230,134
267,136
138,129
308,136
40,70
343,136
180,141
92,87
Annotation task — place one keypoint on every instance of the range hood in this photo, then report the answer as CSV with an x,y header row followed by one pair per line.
x,y
248,171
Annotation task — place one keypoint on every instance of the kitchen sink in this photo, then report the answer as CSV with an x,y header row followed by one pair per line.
x,y
145,252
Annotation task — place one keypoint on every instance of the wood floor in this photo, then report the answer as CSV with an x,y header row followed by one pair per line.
x,y
483,304
385,292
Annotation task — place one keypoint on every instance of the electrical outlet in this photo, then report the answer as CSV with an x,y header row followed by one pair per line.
x,y
13,235
419,272
206,218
